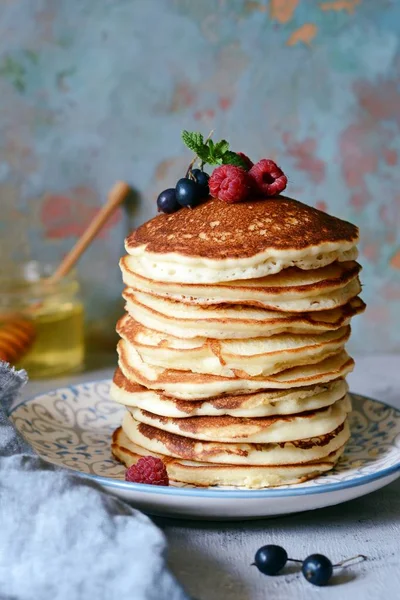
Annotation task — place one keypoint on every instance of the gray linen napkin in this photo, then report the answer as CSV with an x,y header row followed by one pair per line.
x,y
62,537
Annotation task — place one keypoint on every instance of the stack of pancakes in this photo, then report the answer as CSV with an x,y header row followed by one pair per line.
x,y
231,360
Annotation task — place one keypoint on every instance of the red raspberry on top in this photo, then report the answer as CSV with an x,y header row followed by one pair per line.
x,y
230,183
149,470
246,159
268,178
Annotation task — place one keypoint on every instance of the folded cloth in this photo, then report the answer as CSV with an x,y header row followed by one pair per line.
x,y
64,538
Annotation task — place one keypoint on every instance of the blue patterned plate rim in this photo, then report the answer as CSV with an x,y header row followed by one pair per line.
x,y
110,482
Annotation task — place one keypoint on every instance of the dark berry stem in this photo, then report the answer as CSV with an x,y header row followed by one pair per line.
x,y
351,560
295,560
189,169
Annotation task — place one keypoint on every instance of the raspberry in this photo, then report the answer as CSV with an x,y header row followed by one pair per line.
x,y
247,160
268,178
148,470
230,183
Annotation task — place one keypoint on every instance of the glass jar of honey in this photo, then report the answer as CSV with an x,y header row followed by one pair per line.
x,y
41,322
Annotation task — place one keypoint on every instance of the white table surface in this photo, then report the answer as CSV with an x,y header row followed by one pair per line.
x,y
212,560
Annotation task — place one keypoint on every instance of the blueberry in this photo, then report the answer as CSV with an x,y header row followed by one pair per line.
x,y
188,192
167,202
270,559
202,179
317,569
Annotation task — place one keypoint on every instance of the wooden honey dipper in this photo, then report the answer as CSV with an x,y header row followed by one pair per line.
x,y
17,333
16,337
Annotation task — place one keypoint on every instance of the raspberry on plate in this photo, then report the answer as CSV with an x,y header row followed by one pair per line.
x,y
268,178
149,470
230,183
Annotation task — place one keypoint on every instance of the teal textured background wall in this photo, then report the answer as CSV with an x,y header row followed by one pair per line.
x,y
92,92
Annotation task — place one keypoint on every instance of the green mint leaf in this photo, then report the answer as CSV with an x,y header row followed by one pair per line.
x,y
231,158
193,140
217,151
198,138
203,153
212,154
221,147
215,160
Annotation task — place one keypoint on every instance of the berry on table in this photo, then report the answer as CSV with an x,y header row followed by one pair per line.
x,y
148,469
270,559
249,163
188,192
201,177
167,202
230,183
268,178
317,569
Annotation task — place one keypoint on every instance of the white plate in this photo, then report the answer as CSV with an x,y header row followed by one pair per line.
x,y
72,427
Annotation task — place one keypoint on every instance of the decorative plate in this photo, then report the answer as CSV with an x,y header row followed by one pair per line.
x,y
72,427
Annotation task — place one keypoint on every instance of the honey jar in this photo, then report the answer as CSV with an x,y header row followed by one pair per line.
x,y
41,322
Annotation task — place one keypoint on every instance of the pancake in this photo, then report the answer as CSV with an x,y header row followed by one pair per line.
x,y
239,453
194,386
291,290
216,242
260,404
266,430
227,321
258,356
208,474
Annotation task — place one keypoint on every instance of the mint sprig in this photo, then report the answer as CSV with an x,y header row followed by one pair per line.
x,y
211,153
193,140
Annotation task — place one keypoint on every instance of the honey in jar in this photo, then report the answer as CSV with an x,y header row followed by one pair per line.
x,y
41,322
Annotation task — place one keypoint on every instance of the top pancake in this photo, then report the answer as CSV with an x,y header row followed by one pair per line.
x,y
216,241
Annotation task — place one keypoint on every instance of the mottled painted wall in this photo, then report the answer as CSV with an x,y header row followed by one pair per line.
x,y
95,91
